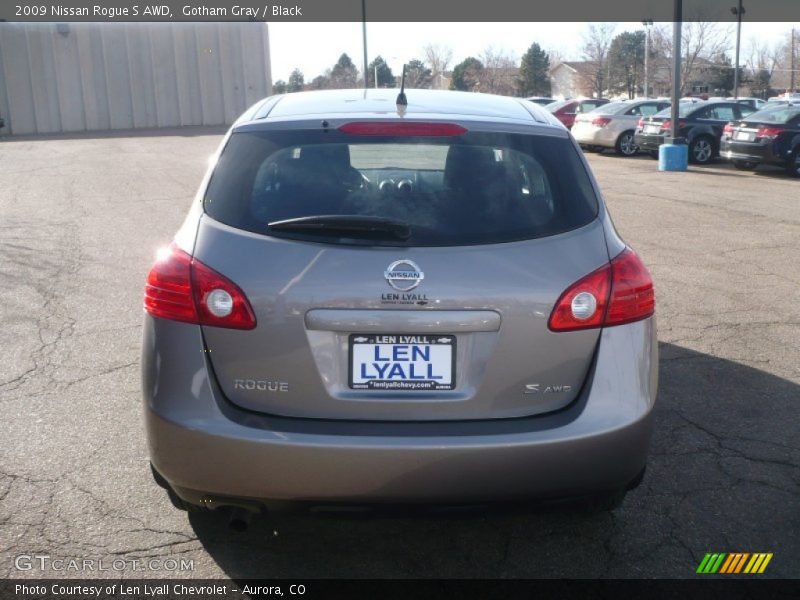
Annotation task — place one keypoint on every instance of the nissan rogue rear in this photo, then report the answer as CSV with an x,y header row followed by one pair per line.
x,y
380,303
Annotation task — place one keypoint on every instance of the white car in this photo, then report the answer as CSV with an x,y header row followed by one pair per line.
x,y
613,125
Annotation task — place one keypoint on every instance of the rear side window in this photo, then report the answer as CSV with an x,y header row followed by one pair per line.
x,y
471,189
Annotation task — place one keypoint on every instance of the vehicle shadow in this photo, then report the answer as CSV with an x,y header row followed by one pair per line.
x,y
722,476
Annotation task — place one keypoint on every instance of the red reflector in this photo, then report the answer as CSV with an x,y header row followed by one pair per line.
x,y
178,285
623,289
407,129
601,121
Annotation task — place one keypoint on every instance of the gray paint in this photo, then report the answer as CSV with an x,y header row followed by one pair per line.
x,y
93,76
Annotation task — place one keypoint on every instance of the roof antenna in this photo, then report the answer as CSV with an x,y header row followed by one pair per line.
x,y
401,97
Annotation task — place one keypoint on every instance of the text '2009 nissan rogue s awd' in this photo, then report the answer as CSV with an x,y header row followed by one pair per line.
x,y
371,303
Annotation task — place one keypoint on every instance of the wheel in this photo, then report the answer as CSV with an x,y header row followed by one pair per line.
x,y
653,154
744,165
625,144
701,150
793,164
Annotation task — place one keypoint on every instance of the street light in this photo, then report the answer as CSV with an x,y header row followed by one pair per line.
x,y
647,24
738,12
364,34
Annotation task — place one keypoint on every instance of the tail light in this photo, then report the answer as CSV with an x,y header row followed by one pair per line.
x,y
769,132
601,121
728,129
181,288
640,124
405,129
617,293
667,125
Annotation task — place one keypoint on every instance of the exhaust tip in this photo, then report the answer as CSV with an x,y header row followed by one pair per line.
x,y
239,520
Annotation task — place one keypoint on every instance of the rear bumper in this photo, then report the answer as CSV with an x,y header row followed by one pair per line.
x,y
764,152
648,142
203,445
587,134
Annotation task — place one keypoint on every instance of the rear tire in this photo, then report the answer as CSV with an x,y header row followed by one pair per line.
x,y
793,164
625,145
701,150
744,165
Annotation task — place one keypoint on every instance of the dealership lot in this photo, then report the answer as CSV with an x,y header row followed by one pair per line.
x,y
81,220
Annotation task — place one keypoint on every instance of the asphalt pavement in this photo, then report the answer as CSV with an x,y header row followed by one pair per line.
x,y
80,221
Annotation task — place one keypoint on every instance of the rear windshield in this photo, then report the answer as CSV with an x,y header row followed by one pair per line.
x,y
684,109
775,114
610,108
475,188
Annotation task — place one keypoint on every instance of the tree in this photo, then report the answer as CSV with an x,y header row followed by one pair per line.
x,y
761,83
626,62
498,73
439,58
279,87
385,75
720,76
296,81
466,74
596,42
534,72
418,75
344,73
321,82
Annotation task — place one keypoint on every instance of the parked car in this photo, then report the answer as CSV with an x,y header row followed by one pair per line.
x,y
366,307
540,100
613,125
566,110
700,124
769,136
754,103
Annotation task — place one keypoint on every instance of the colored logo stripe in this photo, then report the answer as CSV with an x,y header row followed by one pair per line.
x,y
734,562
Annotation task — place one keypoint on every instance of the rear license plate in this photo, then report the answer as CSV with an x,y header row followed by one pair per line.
x,y
652,128
744,136
402,362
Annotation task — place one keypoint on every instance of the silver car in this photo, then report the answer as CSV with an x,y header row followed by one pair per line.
x,y
613,125
373,303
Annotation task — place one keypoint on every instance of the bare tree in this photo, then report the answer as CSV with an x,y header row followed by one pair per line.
x,y
596,42
438,58
701,43
499,72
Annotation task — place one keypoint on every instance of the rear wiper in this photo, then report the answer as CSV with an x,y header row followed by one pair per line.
x,y
356,224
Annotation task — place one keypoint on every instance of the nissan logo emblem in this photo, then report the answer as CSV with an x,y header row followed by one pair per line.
x,y
404,275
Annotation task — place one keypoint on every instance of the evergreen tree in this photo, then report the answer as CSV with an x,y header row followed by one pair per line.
x,y
466,74
534,73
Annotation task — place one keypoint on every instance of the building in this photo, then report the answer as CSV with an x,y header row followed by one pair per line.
x,y
69,77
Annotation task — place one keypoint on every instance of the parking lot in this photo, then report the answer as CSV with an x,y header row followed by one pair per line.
x,y
81,220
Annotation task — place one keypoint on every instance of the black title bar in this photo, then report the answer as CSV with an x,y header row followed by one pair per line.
x,y
394,10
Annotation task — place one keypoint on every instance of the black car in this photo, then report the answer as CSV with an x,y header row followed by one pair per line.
x,y
769,136
700,124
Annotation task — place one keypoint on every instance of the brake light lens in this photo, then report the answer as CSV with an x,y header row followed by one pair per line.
x,y
769,132
667,125
640,124
181,288
601,121
405,129
617,293
728,129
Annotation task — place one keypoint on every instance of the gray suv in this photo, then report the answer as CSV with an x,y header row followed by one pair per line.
x,y
372,303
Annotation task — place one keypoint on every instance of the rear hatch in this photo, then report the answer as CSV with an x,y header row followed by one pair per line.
x,y
401,277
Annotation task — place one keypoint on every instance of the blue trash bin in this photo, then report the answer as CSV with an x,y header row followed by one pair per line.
x,y
673,157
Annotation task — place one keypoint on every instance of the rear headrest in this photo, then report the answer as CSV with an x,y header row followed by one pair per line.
x,y
467,166
336,156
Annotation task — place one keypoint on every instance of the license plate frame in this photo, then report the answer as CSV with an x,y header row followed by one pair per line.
x,y
405,384
744,136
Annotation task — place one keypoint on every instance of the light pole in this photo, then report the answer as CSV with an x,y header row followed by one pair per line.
x,y
647,24
792,62
364,34
738,11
